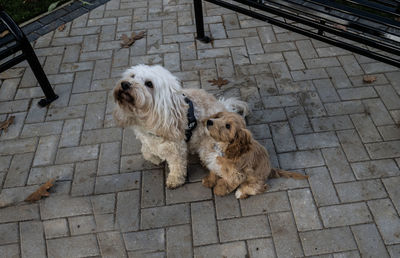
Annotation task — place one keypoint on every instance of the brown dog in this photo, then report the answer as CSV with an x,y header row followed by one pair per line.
x,y
241,161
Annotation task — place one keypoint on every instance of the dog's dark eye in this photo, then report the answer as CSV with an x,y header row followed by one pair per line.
x,y
228,126
133,76
148,84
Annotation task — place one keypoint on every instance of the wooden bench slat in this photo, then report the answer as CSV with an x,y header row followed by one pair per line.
x,y
356,12
352,23
10,50
393,3
343,26
375,5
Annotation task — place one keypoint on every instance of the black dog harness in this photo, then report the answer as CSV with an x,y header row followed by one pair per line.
x,y
192,121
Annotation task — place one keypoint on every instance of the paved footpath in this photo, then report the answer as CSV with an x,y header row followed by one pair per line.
x,y
311,110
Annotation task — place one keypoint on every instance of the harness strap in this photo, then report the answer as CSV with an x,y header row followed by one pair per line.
x,y
192,121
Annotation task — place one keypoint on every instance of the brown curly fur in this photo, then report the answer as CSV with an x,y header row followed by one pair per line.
x,y
245,162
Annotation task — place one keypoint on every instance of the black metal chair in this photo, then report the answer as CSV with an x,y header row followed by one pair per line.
x,y
16,41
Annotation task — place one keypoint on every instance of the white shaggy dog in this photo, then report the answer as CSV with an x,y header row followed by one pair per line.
x,y
151,101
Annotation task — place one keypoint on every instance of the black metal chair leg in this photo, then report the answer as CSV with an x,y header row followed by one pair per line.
x,y
198,13
23,44
40,75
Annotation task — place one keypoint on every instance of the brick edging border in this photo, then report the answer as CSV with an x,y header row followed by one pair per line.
x,y
59,17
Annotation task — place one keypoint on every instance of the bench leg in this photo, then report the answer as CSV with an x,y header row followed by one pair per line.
x,y
40,75
198,14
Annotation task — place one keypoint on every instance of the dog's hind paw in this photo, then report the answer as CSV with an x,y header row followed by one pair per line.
x,y
174,181
240,195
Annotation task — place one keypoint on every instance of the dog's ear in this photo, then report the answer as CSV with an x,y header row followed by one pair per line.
x,y
217,115
244,137
240,144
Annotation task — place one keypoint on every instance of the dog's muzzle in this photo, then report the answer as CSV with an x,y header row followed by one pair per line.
x,y
123,93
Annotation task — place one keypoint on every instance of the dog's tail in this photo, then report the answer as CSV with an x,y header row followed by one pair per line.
x,y
235,105
276,172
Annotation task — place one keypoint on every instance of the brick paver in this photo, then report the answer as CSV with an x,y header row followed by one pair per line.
x,y
310,108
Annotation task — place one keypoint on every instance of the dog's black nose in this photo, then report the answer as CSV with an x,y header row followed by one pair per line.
x,y
125,85
209,123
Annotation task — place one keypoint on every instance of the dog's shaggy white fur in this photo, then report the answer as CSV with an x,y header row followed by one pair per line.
x,y
151,101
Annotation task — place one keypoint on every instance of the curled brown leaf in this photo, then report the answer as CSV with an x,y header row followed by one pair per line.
x,y
128,41
61,27
5,124
369,78
218,82
340,27
41,191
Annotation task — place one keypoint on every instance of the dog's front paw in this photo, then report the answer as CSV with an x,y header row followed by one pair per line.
x,y
221,189
152,158
210,180
155,160
174,181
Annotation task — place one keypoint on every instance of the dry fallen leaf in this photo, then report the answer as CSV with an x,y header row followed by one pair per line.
x,y
127,42
294,175
218,82
369,78
340,27
276,173
41,191
4,33
61,28
4,125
